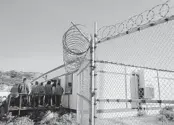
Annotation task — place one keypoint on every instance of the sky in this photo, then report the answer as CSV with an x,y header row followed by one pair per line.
x,y
31,30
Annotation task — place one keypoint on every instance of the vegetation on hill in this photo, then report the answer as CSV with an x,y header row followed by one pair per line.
x,y
9,78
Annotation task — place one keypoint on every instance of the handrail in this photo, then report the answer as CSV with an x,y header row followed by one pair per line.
x,y
31,106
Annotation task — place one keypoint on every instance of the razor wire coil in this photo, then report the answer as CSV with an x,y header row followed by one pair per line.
x,y
76,44
160,11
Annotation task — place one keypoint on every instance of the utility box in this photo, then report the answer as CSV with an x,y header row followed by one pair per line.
x,y
149,93
138,89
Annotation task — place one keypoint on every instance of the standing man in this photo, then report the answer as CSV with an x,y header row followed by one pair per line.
x,y
34,93
54,91
42,93
23,89
14,95
59,92
48,93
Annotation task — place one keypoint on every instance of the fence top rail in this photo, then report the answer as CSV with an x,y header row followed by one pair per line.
x,y
127,65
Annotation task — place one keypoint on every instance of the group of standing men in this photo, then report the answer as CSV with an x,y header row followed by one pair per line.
x,y
51,91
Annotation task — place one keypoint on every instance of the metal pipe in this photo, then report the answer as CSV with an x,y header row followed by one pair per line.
x,y
48,72
91,84
159,91
94,71
137,100
126,85
92,78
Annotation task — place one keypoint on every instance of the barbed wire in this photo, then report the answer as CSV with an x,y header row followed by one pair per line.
x,y
158,12
76,44
142,67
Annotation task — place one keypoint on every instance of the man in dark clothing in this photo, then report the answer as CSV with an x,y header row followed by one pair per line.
x,y
59,91
14,95
34,93
41,92
53,91
3,108
48,93
23,89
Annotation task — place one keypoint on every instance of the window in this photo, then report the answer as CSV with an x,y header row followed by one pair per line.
x,y
69,84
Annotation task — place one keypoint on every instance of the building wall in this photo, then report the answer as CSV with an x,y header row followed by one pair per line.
x,y
61,74
72,97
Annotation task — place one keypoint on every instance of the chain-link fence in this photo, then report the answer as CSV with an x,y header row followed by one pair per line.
x,y
125,76
77,56
135,71
133,95
84,92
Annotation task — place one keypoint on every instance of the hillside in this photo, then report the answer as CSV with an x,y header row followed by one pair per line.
x,y
9,78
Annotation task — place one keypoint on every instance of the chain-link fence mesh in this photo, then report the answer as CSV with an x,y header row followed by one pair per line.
x,y
75,46
133,70
84,92
135,73
76,55
118,96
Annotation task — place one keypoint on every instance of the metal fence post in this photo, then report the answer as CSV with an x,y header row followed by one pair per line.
x,y
81,100
125,70
159,92
93,75
91,82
